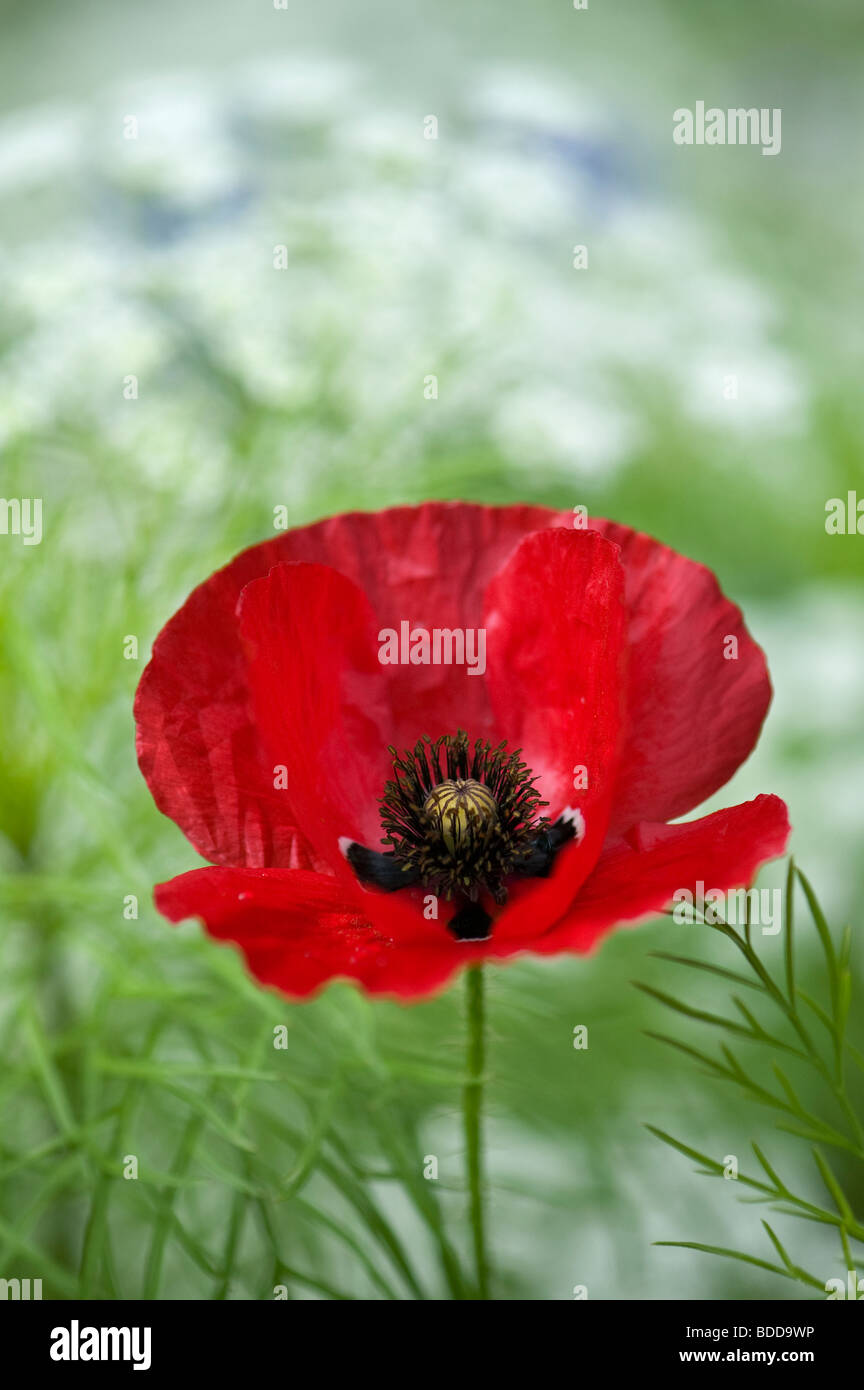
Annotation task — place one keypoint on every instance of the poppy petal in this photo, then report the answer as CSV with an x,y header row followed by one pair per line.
x,y
555,631
319,700
427,566
697,684
198,750
638,875
299,930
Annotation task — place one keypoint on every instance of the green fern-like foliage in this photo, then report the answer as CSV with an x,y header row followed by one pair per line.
x,y
813,1036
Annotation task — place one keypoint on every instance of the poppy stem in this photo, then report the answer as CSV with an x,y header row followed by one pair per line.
x,y
472,1112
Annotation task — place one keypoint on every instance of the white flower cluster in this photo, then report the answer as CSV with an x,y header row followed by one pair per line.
x,y
271,261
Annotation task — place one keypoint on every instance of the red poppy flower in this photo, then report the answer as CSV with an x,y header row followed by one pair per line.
x,y
598,686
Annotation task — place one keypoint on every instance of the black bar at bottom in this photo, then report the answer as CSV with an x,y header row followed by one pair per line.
x,y
256,1339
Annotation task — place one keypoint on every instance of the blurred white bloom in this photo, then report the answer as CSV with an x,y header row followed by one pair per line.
x,y
747,391
301,91
545,422
516,95
36,144
276,241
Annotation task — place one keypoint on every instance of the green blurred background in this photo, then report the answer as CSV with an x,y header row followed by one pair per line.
x,y
153,258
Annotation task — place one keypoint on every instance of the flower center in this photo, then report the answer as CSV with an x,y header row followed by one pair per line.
x,y
460,820
460,817
462,811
